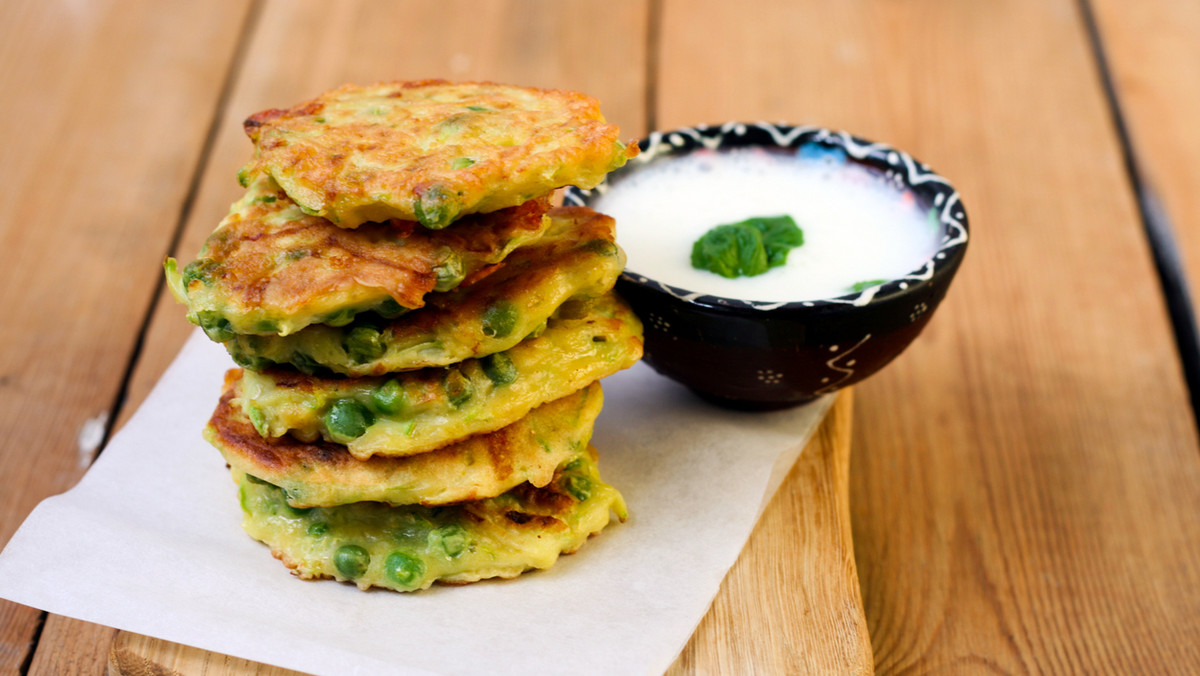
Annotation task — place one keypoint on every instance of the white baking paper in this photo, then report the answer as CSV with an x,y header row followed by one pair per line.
x,y
150,542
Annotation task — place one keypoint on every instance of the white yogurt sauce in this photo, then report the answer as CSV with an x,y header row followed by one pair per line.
x,y
858,227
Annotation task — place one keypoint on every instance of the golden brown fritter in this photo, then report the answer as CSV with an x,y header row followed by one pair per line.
x,y
410,547
483,466
417,411
576,258
431,151
269,269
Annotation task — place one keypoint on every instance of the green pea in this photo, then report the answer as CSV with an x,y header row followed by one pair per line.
x,y
450,273
435,208
258,419
601,247
215,325
390,309
347,420
404,569
351,561
499,368
266,326
459,389
340,317
294,511
317,528
363,344
249,361
389,397
304,363
579,486
244,499
201,269
451,538
499,319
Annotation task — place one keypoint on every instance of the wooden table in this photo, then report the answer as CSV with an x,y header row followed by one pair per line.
x,y
1025,481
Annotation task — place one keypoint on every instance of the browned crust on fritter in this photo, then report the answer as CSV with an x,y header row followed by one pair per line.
x,y
335,259
520,136
523,267
282,460
277,457
253,124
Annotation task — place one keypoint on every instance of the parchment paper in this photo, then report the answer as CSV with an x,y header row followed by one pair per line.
x,y
150,542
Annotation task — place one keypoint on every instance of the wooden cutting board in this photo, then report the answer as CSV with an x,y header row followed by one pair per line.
x,y
790,605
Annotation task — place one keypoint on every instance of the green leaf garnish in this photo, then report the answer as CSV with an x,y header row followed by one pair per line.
x,y
747,248
859,287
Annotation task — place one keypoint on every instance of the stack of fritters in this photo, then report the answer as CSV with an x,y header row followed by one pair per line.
x,y
421,334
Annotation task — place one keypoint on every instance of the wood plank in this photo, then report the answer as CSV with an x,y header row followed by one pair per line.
x,y
802,544
791,603
90,653
137,655
1159,93
104,120
1027,476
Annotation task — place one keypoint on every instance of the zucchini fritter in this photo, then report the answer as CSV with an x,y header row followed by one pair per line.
x,y
431,151
576,258
417,411
410,547
483,466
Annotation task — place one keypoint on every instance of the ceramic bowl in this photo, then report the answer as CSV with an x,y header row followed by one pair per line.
x,y
767,355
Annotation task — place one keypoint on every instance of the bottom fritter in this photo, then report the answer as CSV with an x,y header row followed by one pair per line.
x,y
411,547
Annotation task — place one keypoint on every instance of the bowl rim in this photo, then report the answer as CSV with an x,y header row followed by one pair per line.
x,y
895,163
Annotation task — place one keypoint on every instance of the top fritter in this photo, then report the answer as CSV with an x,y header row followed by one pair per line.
x,y
431,151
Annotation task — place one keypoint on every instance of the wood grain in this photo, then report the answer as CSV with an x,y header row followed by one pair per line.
x,y
138,655
1027,478
89,642
101,133
790,605
1159,93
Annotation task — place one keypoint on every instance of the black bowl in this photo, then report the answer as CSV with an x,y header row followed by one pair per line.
x,y
765,355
